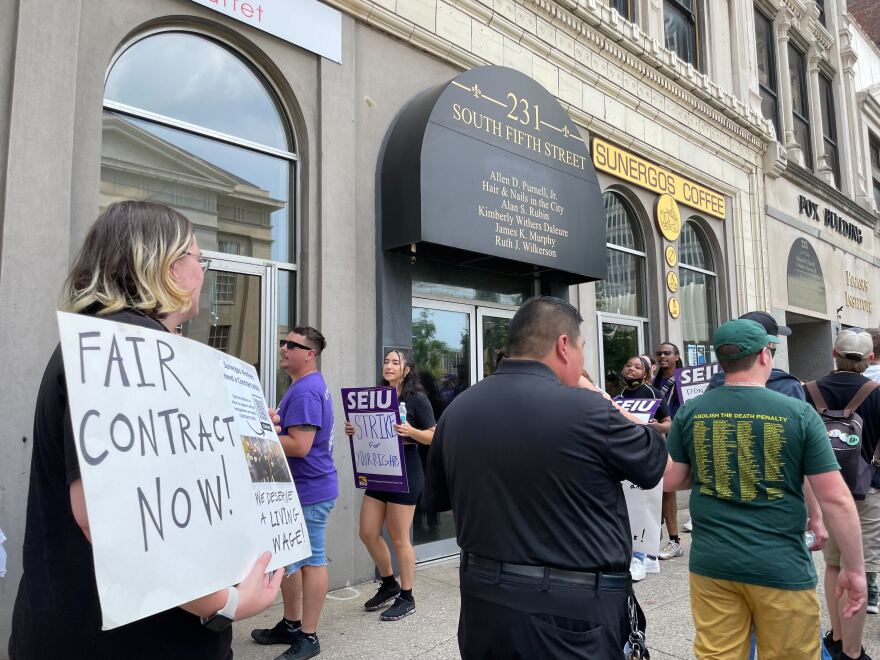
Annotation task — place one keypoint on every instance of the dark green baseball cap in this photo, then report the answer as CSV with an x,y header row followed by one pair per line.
x,y
749,336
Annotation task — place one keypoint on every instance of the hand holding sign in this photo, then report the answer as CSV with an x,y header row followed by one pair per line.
x,y
180,471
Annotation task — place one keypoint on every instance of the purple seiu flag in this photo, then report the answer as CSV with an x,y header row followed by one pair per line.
x,y
691,382
376,449
644,409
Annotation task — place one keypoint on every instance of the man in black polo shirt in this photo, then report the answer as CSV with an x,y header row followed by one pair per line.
x,y
531,467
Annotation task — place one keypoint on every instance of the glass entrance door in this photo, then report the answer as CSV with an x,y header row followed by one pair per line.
x,y
620,338
233,315
446,362
492,327
454,346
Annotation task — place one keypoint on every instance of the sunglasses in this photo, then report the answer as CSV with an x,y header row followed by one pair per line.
x,y
290,345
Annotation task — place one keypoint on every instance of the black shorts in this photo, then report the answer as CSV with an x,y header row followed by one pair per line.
x,y
415,475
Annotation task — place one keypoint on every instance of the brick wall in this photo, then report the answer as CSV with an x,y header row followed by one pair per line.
x,y
867,15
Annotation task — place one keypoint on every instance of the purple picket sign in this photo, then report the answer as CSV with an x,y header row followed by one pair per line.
x,y
691,382
644,409
376,449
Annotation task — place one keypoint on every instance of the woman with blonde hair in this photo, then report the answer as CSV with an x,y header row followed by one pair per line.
x,y
141,265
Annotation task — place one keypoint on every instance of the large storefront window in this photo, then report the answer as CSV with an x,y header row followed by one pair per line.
x,y
190,124
620,299
623,292
698,295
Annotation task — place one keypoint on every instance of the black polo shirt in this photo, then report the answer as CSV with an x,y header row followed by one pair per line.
x,y
532,469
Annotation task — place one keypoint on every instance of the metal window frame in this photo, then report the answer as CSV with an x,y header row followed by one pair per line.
x,y
237,263
773,90
638,322
694,16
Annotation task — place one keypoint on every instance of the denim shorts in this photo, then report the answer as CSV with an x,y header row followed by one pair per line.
x,y
316,523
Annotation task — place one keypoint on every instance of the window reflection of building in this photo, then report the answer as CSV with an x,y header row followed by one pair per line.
x,y
190,124
219,337
697,294
622,292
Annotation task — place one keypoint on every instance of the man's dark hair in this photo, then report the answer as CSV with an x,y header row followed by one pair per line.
x,y
738,365
678,363
314,339
538,323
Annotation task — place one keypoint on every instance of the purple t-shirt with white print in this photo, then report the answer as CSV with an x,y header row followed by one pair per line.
x,y
307,401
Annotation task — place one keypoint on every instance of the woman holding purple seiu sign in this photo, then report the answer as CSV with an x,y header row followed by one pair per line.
x,y
396,510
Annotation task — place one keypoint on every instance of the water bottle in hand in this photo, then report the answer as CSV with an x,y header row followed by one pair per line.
x,y
402,412
809,539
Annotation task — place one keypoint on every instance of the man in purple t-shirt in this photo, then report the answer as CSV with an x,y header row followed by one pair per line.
x,y
306,413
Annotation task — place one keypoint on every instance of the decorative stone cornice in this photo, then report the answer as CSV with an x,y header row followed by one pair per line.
x,y
796,7
591,21
591,27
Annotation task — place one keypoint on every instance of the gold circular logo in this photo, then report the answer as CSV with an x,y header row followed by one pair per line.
x,y
674,308
671,256
672,281
668,217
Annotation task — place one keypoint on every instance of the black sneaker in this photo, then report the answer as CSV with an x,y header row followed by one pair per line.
x,y
384,596
401,608
305,646
834,647
281,633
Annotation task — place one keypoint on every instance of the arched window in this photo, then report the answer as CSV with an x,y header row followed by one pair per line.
x,y
623,291
698,294
190,123
620,298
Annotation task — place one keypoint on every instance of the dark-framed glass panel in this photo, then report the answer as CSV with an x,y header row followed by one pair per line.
x,y
681,27
767,78
829,127
626,8
821,5
800,103
623,291
698,295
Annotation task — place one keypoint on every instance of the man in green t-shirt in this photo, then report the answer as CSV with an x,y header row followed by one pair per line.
x,y
744,451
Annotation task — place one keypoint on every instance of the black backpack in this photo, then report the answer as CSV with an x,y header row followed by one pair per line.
x,y
844,429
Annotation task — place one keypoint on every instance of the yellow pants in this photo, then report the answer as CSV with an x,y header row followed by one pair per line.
x,y
786,622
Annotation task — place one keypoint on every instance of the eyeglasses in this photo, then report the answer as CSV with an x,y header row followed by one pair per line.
x,y
204,262
662,353
772,350
290,345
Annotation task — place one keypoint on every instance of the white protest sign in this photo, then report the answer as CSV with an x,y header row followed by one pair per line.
x,y
644,516
643,409
691,382
184,478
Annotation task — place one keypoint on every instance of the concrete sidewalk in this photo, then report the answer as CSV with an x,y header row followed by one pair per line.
x,y
346,631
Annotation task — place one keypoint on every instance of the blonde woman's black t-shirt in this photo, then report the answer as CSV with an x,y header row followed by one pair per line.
x,y
57,613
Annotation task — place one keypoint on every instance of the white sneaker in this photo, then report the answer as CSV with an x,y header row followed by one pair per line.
x,y
689,525
652,565
637,569
670,550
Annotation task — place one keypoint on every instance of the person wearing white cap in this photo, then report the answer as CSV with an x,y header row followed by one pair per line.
x,y
853,352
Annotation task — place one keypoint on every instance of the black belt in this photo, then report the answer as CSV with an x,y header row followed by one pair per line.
x,y
584,578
